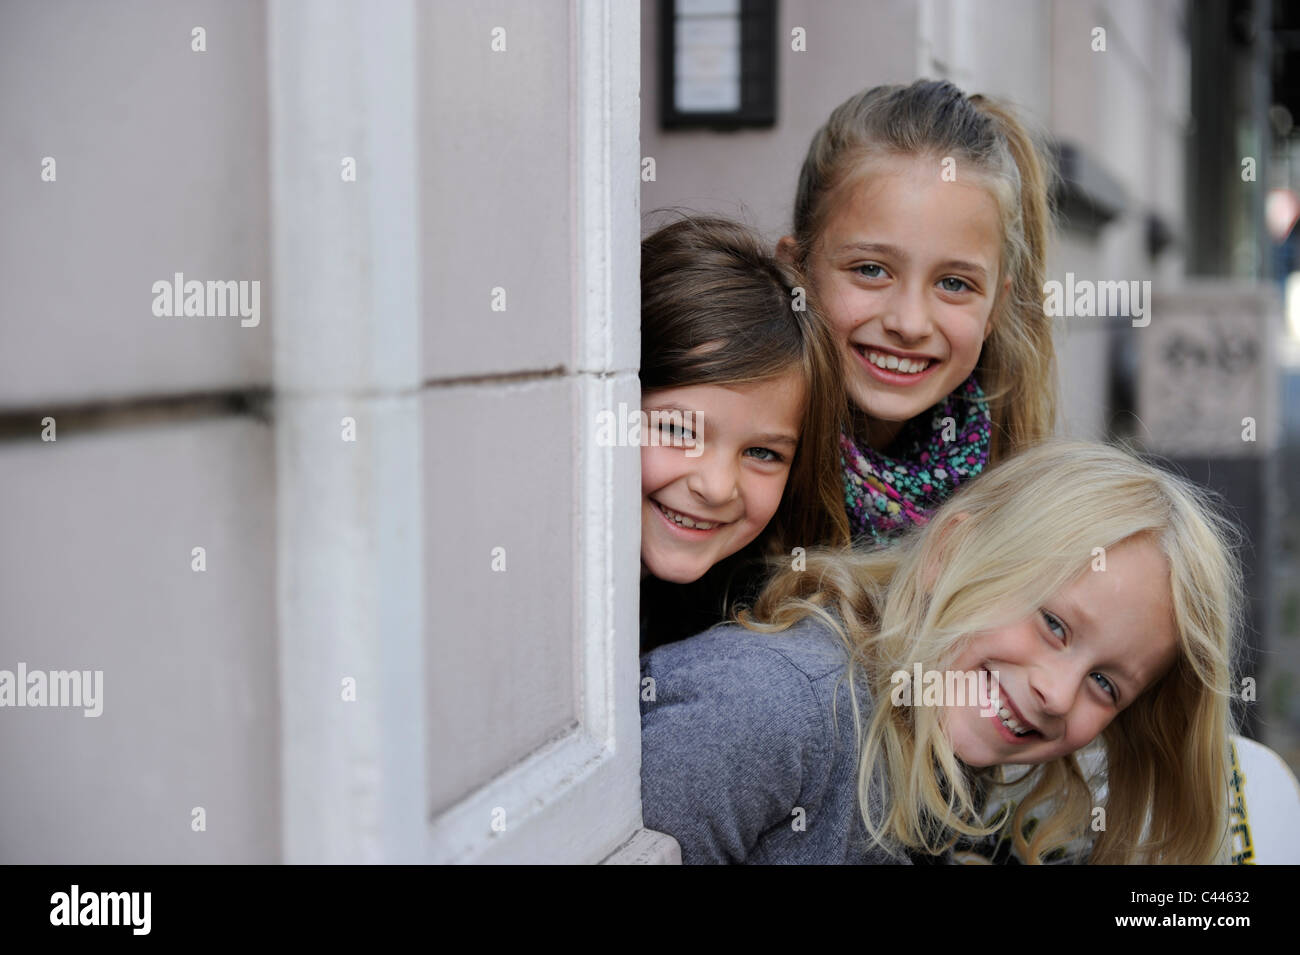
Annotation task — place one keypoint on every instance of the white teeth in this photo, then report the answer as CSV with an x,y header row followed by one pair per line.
x,y
908,366
683,521
1011,723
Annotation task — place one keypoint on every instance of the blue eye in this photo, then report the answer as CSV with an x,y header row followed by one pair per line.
x,y
676,430
771,456
963,285
1106,685
879,273
1053,621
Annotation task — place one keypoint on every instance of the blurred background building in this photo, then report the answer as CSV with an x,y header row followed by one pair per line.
x,y
360,581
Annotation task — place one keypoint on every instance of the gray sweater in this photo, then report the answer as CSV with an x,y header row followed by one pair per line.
x,y
744,730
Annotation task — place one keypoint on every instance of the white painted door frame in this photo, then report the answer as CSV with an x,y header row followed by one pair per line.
x,y
346,326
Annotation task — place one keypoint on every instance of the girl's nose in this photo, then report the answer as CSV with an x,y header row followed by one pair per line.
x,y
907,314
713,481
1055,684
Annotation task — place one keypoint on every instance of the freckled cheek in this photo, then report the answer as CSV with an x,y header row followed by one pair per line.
x,y
842,320
845,307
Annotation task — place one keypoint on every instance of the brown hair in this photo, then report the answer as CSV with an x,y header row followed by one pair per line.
x,y
1017,367
717,308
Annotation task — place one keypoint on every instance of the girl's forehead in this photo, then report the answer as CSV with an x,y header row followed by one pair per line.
x,y
871,167
787,387
906,207
873,178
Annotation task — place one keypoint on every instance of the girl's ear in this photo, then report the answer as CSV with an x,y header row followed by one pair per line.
x,y
785,249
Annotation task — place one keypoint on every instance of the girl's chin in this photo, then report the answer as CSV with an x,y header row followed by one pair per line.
x,y
673,575
673,568
894,407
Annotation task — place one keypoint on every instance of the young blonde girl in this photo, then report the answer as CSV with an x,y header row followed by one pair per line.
x,y
922,220
1103,592
748,469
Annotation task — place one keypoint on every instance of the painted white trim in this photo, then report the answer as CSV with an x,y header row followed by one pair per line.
x,y
578,798
346,337
346,331
646,847
607,185
538,797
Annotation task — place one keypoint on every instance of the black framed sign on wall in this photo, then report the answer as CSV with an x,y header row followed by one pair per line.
x,y
717,63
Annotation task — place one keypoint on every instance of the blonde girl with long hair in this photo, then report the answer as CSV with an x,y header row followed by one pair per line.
x,y
922,220
1098,594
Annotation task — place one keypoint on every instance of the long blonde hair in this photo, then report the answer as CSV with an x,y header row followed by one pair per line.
x,y
997,550
1017,366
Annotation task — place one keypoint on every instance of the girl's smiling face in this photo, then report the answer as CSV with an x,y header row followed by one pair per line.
x,y
730,485
1066,671
907,271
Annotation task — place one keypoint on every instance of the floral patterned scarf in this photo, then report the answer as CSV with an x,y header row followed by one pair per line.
x,y
933,453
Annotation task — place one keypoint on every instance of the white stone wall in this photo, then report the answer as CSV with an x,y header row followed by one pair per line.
x,y
357,673
161,166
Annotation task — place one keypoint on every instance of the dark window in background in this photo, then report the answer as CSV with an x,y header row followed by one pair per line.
x,y
717,64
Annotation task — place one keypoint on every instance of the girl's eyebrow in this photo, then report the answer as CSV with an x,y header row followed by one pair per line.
x,y
872,247
894,251
960,265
